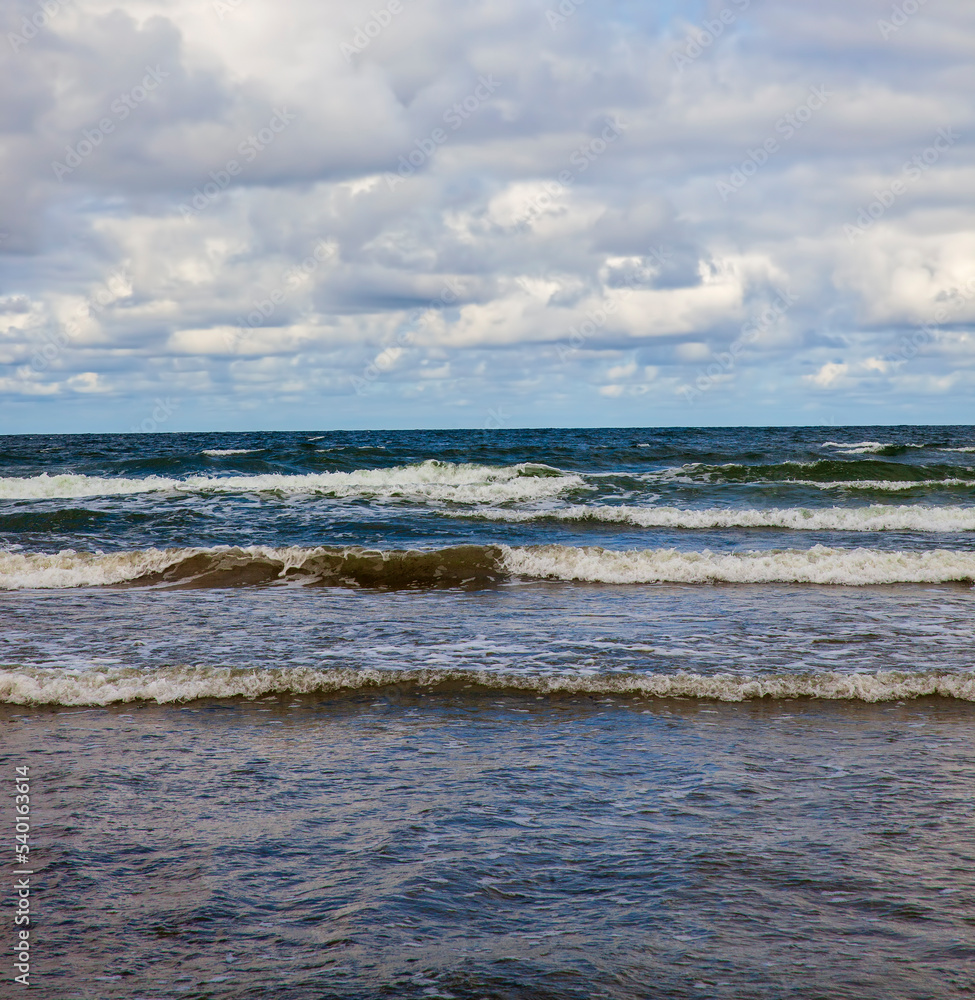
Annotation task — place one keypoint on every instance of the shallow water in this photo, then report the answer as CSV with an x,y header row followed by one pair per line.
x,y
487,845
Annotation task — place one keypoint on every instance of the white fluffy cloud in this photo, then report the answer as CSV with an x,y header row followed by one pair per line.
x,y
474,214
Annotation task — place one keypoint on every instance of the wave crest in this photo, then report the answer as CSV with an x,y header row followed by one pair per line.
x,y
831,473
459,566
475,566
817,565
46,686
886,517
437,481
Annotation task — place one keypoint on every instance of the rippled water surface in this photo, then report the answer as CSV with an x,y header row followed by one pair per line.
x,y
516,714
412,845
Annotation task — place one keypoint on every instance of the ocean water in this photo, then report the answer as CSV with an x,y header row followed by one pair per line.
x,y
627,713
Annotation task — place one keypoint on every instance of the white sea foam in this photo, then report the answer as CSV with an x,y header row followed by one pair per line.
x,y
220,452
436,481
818,565
858,447
24,685
880,485
965,450
60,487
874,518
60,570
695,474
225,566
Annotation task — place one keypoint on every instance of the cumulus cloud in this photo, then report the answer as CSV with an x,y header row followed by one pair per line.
x,y
426,212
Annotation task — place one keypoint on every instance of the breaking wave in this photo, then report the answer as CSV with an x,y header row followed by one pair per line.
x,y
829,473
221,452
476,566
438,481
817,565
870,447
881,485
876,518
858,447
22,685
224,566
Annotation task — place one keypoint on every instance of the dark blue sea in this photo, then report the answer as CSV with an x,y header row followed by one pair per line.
x,y
555,714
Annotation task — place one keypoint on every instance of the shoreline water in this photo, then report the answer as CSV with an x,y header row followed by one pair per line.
x,y
451,847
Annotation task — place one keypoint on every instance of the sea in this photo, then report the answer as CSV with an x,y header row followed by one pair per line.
x,y
558,714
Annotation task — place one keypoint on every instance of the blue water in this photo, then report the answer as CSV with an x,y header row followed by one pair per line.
x,y
558,714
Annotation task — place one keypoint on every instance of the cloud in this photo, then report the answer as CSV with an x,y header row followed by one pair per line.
x,y
519,214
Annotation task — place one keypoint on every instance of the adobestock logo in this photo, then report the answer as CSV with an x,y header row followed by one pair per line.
x,y
702,38
454,116
913,170
899,16
725,362
220,180
786,126
586,154
378,21
92,138
31,26
562,12
162,411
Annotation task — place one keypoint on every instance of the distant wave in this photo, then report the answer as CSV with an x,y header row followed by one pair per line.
x,y
870,447
887,448
886,485
438,481
221,452
475,566
828,473
469,483
22,685
875,518
858,447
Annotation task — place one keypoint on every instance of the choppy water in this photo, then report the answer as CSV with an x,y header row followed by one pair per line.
x,y
620,713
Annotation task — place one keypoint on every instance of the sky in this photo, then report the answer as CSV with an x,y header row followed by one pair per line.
x,y
240,214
